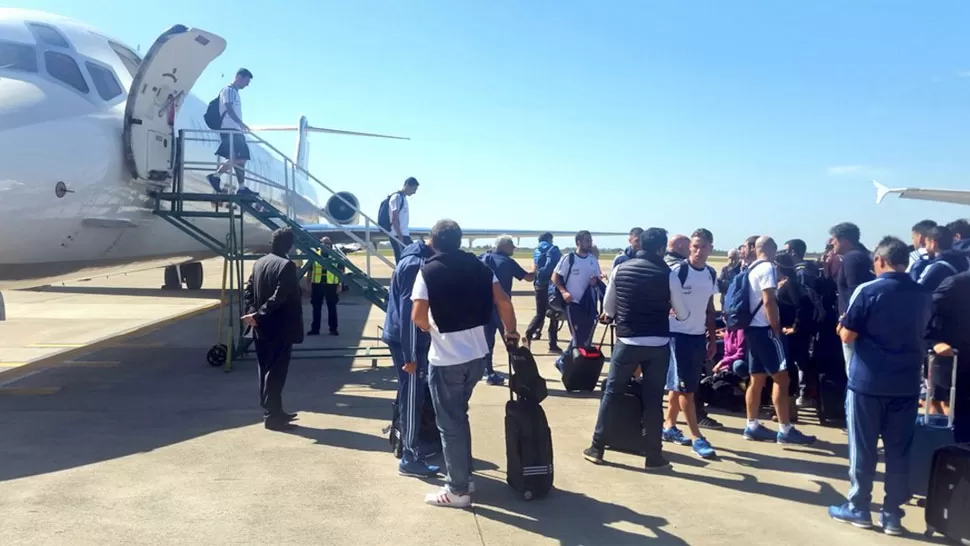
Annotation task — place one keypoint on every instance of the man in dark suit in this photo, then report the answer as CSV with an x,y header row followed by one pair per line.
x,y
275,319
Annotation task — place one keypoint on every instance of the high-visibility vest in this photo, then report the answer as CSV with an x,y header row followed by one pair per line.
x,y
318,272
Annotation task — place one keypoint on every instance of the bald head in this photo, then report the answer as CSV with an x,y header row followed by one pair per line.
x,y
679,244
733,254
766,248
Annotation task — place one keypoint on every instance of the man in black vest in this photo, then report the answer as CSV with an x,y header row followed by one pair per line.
x,y
454,295
275,319
639,298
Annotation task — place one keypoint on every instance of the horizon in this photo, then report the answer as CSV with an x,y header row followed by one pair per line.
x,y
523,117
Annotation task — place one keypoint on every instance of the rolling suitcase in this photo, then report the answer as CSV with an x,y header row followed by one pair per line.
x,y
932,433
624,428
582,366
948,500
528,440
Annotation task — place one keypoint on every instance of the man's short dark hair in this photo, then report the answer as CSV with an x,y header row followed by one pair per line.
x,y
653,240
282,241
750,241
923,227
893,251
545,237
846,231
636,232
703,234
959,227
798,247
785,264
244,72
411,182
582,235
941,236
446,236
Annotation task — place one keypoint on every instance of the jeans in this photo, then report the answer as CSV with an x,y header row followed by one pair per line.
x,y
868,418
654,362
542,305
451,388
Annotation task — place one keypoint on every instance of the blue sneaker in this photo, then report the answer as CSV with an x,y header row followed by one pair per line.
x,y
494,378
759,433
214,182
417,469
702,448
892,524
674,435
795,437
847,514
246,191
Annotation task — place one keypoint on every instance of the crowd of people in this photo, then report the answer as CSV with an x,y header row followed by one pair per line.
x,y
865,316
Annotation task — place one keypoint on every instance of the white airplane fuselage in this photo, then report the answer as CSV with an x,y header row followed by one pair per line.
x,y
69,204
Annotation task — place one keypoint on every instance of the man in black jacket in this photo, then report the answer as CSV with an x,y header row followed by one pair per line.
x,y
274,317
639,297
950,329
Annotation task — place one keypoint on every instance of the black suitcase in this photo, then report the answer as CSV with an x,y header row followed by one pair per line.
x,y
428,435
948,501
528,444
831,398
582,366
624,427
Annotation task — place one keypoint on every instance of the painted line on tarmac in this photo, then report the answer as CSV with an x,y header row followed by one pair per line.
x,y
72,351
35,391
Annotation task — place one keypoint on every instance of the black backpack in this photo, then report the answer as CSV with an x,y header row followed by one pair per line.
x,y
384,213
212,117
684,271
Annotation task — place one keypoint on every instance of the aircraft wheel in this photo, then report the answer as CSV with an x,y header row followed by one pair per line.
x,y
172,280
192,274
217,355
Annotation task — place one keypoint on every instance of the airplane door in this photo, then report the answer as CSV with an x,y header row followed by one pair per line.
x,y
166,75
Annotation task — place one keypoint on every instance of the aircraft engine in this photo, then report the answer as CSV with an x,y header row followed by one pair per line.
x,y
338,210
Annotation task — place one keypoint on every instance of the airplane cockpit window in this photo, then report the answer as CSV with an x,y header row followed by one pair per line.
x,y
14,56
63,68
104,81
131,59
48,35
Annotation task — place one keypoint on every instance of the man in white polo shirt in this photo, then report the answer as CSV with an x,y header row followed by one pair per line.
x,y
575,276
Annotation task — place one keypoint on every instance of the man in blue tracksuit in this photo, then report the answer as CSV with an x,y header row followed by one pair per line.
x,y
505,268
631,250
545,258
943,261
409,351
886,320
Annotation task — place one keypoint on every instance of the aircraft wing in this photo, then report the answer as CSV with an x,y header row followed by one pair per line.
x,y
338,234
961,197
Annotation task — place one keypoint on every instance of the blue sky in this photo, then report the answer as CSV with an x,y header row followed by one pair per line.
x,y
742,117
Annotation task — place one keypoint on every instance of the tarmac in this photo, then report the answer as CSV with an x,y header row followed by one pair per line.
x,y
115,430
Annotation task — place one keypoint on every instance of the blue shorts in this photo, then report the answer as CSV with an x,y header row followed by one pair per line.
x,y
687,356
766,351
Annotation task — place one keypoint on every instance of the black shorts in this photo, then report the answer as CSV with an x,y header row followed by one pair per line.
x,y
239,147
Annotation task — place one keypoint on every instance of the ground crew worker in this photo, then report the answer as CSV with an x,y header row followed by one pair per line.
x,y
324,285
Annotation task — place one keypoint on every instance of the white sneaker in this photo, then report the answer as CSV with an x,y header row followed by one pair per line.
x,y
443,497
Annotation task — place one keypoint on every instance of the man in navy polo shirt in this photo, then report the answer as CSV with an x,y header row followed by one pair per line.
x,y
885,320
505,268
631,250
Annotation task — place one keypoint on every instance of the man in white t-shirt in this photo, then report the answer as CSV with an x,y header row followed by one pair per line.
x,y
766,352
692,342
454,296
232,146
575,277
398,206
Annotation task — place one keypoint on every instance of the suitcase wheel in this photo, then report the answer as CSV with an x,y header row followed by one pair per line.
x,y
527,495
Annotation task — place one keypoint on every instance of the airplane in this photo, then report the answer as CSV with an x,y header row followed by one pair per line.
x,y
960,197
87,130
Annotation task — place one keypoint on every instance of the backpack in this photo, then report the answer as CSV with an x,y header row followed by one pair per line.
x,y
737,303
384,212
683,272
525,380
212,117
819,312
556,303
541,277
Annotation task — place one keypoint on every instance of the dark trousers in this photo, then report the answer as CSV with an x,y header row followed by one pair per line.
x,y
412,394
492,328
397,247
542,305
802,374
273,359
654,362
318,293
581,318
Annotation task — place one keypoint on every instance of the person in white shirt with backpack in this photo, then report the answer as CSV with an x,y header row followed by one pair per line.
x,y
232,145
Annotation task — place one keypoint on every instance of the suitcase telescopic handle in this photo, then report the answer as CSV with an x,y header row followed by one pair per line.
x,y
930,387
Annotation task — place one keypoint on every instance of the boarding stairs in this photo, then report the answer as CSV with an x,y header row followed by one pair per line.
x,y
182,209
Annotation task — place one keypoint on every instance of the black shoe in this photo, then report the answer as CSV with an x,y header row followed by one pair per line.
x,y
709,422
278,424
334,333
291,416
652,464
285,417
313,333
554,349
593,454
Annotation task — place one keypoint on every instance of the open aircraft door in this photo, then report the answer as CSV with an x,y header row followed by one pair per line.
x,y
166,76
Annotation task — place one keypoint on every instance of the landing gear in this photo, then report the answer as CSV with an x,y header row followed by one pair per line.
x,y
190,274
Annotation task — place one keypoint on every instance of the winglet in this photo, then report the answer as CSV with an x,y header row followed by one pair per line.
x,y
881,191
